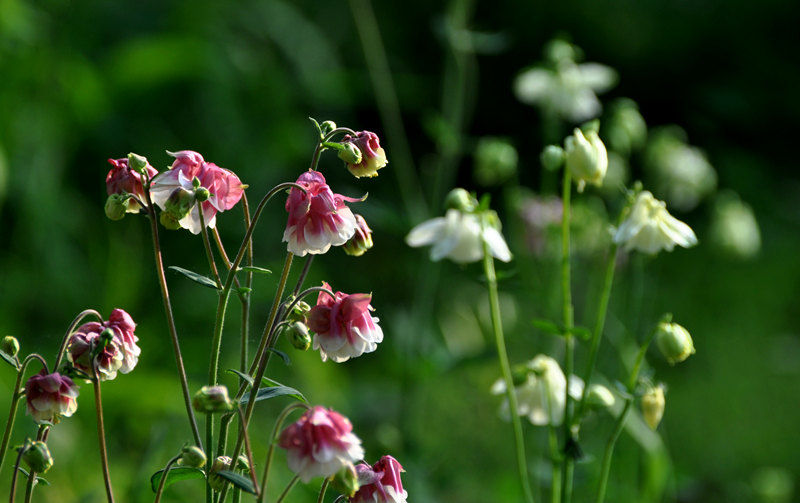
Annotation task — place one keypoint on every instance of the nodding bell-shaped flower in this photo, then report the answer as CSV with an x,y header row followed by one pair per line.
x,y
224,190
111,343
674,342
320,443
460,235
361,240
586,158
653,404
123,179
50,396
343,326
318,218
649,228
380,483
366,158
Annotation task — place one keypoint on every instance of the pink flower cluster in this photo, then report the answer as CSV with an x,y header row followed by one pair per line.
x,y
380,483
120,353
318,218
320,443
343,326
122,179
224,187
50,396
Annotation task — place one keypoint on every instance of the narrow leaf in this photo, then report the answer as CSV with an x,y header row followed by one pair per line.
x,y
252,268
582,333
548,326
9,359
197,278
272,392
299,396
245,377
176,474
283,356
39,479
240,481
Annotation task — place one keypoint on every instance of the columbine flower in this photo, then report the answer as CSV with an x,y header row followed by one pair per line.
x,y
380,483
123,179
50,396
343,326
586,158
120,353
320,443
459,236
371,158
540,396
361,240
318,218
223,186
650,228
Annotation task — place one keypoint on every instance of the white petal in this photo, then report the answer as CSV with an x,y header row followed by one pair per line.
x,y
497,245
425,233
533,85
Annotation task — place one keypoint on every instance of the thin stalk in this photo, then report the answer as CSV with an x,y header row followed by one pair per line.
x,y
173,332
505,368
569,339
555,455
322,490
101,437
15,472
273,440
207,246
72,326
288,488
29,486
248,450
162,482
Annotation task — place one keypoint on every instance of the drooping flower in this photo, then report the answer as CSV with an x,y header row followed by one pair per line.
x,y
318,218
586,158
320,443
123,179
459,236
343,326
361,240
372,157
541,394
380,483
119,353
223,186
649,228
50,396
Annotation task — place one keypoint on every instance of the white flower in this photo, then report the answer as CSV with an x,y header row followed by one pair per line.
x,y
586,158
649,228
569,91
541,397
459,236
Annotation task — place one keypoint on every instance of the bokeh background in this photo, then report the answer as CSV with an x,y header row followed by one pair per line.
x,y
86,81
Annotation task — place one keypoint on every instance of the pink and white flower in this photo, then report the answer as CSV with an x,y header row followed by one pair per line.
x,y
122,179
373,156
224,187
320,443
380,483
120,354
343,326
318,218
50,396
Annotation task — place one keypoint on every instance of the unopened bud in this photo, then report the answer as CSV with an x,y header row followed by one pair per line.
x,y
552,157
460,200
137,162
361,240
212,399
299,336
326,127
653,404
495,161
586,158
674,342
193,456
37,456
202,194
599,397
216,482
179,203
299,312
168,221
10,345
117,206
350,154
242,463
346,480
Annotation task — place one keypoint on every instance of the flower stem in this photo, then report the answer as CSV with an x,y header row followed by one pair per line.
x,y
273,440
162,482
505,368
15,472
72,326
569,339
555,455
101,437
288,488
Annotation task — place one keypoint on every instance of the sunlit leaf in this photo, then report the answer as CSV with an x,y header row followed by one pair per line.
x,y
176,474
252,268
274,390
8,358
197,278
39,479
245,377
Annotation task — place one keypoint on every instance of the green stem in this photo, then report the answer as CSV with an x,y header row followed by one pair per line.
x,y
162,482
555,456
322,490
248,451
273,440
288,488
101,437
505,368
569,339
72,326
207,246
15,472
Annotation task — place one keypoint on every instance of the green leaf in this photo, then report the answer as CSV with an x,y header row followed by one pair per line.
x,y
252,268
245,377
243,290
176,474
39,479
240,481
197,278
283,356
273,390
9,359
582,333
548,327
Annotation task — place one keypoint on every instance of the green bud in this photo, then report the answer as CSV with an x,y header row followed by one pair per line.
x,y
552,157
350,154
193,456
216,482
299,312
361,240
299,336
586,158
461,200
116,206
37,456
10,345
210,399
137,162
495,161
674,342
242,463
653,403
559,50
346,480
168,221
179,203
599,397
326,127
202,194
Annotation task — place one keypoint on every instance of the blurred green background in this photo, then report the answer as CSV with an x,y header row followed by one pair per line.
x,y
86,81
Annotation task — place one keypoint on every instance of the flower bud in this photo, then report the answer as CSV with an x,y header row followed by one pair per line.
x,y
10,345
346,480
460,200
216,482
201,194
586,158
495,161
116,206
326,127
372,158
212,399
193,456
299,311
242,463
37,456
674,342
599,397
179,202
137,162
653,404
168,221
299,336
552,157
361,240
350,154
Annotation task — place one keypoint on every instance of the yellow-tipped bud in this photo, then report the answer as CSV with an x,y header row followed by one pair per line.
x,y
653,404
